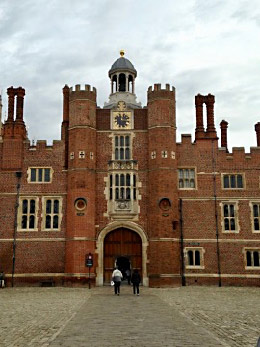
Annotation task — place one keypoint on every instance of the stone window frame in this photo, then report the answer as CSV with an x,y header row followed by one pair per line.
x,y
251,250
123,147
52,214
223,174
133,187
201,251
37,168
195,177
252,217
20,213
236,210
131,137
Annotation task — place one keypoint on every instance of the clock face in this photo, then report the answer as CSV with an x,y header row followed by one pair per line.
x,y
122,120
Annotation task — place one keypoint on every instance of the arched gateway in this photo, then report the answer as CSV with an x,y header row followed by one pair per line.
x,y
124,244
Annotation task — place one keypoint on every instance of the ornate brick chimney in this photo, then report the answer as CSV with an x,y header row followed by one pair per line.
x,y
223,127
209,101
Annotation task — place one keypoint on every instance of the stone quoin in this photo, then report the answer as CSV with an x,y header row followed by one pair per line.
x,y
119,187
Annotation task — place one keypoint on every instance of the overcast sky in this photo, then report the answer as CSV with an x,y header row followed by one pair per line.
x,y
198,46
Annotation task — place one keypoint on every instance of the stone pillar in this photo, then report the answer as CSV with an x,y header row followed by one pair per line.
x,y
223,127
11,93
117,82
19,103
257,129
126,83
199,132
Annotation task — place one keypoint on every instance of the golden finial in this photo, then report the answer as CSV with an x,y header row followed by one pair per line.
x,y
122,52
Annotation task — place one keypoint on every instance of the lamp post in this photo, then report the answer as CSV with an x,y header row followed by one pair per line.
x,y
18,175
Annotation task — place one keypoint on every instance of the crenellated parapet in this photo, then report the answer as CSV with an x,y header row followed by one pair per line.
x,y
78,92
157,92
41,145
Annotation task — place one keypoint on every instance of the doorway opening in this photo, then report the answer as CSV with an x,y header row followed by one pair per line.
x,y
123,264
122,248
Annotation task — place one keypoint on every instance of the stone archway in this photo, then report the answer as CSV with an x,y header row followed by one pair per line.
x,y
122,247
131,226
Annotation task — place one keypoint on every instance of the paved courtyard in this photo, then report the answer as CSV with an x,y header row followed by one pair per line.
x,y
188,316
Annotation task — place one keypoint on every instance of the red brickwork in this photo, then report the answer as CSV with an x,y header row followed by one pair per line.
x,y
173,219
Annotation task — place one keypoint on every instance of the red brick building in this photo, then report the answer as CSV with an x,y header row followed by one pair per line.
x,y
118,185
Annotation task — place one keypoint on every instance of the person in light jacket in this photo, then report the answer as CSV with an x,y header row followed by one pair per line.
x,y
117,277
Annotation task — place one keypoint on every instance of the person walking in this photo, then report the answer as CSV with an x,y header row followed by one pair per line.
x,y
116,278
2,279
128,275
136,279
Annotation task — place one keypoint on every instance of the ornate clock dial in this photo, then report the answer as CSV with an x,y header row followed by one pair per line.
x,y
122,120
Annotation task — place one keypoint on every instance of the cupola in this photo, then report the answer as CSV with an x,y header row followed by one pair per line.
x,y
122,76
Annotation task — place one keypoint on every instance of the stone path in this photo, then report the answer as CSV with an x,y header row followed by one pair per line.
x,y
128,320
190,316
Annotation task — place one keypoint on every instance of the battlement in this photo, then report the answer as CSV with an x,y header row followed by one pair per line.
x,y
87,88
156,92
158,87
41,145
87,92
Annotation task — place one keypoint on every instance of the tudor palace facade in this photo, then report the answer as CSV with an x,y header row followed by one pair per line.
x,y
118,188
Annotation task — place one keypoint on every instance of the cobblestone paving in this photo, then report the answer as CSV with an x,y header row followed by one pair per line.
x,y
188,316
230,313
33,316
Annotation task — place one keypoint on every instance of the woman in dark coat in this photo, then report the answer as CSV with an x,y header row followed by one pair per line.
x,y
136,279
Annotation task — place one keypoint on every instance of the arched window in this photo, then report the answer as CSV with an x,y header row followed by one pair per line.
x,y
122,82
130,84
248,259
52,213
27,220
194,258
190,257
114,84
197,258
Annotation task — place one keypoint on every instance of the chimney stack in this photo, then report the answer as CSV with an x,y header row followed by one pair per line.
x,y
199,132
210,100
20,92
66,91
257,129
223,127
11,94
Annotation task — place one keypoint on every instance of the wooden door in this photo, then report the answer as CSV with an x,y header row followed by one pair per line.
x,y
122,242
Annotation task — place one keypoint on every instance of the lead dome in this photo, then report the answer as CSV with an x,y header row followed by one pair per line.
x,y
122,64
